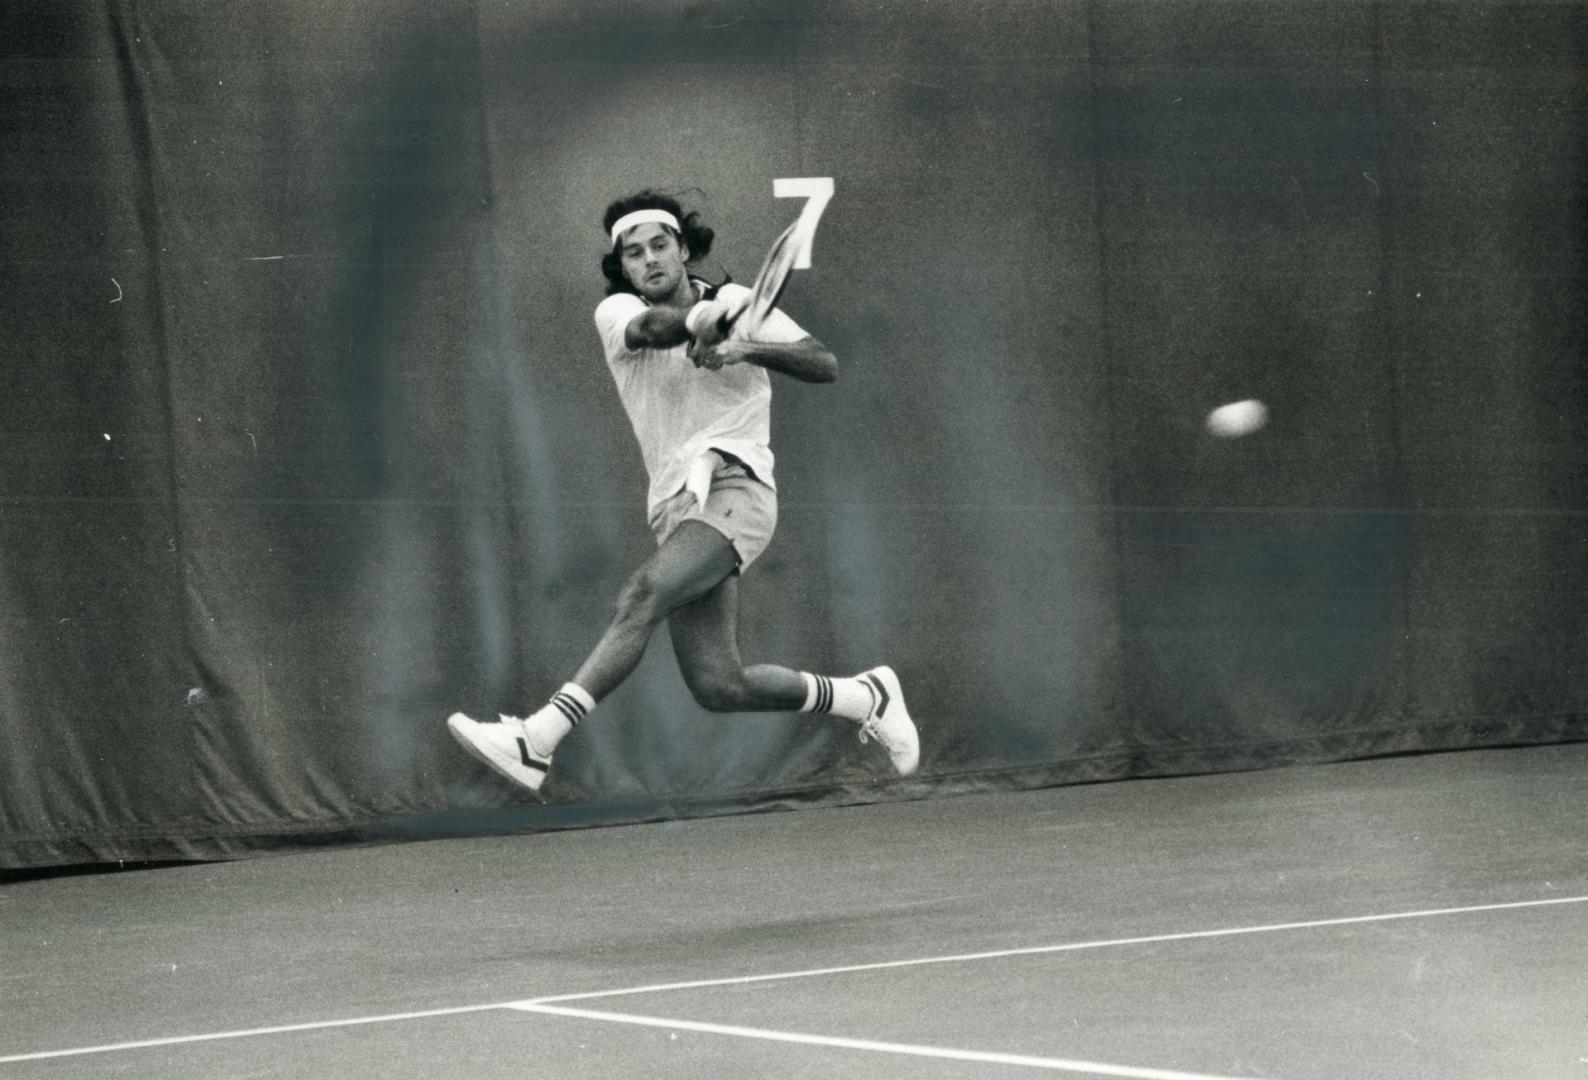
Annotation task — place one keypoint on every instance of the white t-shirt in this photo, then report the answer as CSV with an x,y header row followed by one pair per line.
x,y
679,411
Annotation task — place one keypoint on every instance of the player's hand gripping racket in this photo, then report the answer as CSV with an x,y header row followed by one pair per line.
x,y
791,250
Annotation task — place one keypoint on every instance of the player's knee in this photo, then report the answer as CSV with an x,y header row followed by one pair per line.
x,y
640,600
635,601
720,691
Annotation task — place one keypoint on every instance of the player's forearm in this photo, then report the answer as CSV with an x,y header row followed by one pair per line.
x,y
807,360
656,328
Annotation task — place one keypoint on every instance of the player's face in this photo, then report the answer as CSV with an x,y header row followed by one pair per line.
x,y
653,260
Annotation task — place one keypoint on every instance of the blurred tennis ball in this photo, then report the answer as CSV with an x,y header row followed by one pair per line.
x,y
1237,418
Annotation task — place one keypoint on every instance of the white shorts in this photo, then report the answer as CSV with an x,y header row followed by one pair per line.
x,y
738,506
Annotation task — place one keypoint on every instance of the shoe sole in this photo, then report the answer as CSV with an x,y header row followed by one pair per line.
x,y
890,682
519,774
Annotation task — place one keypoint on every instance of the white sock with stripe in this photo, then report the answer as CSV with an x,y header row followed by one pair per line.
x,y
557,717
850,698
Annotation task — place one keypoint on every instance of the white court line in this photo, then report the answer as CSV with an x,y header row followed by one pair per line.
x,y
1089,1068
176,1040
526,1003
1038,950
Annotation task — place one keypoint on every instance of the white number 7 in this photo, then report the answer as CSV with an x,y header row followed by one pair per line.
x,y
816,190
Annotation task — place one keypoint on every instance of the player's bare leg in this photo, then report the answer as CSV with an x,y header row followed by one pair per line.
x,y
690,582
693,559
691,562
705,636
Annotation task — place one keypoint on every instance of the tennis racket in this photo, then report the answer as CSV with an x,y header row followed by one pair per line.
x,y
791,250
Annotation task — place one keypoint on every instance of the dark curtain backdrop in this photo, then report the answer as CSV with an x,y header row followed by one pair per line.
x,y
306,439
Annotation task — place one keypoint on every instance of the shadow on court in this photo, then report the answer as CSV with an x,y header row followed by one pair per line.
x,y
1136,929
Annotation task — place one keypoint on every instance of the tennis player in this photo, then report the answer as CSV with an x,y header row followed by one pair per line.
x,y
698,393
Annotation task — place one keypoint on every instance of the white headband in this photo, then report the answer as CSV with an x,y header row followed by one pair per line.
x,y
641,217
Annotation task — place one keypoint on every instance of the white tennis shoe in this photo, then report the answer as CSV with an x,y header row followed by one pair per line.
x,y
889,722
505,746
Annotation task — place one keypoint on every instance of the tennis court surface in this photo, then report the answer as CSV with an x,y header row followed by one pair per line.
x,y
1401,918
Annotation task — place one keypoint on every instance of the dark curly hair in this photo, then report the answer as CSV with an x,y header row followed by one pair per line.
x,y
695,235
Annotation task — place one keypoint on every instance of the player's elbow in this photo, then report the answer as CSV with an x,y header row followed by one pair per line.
x,y
826,368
